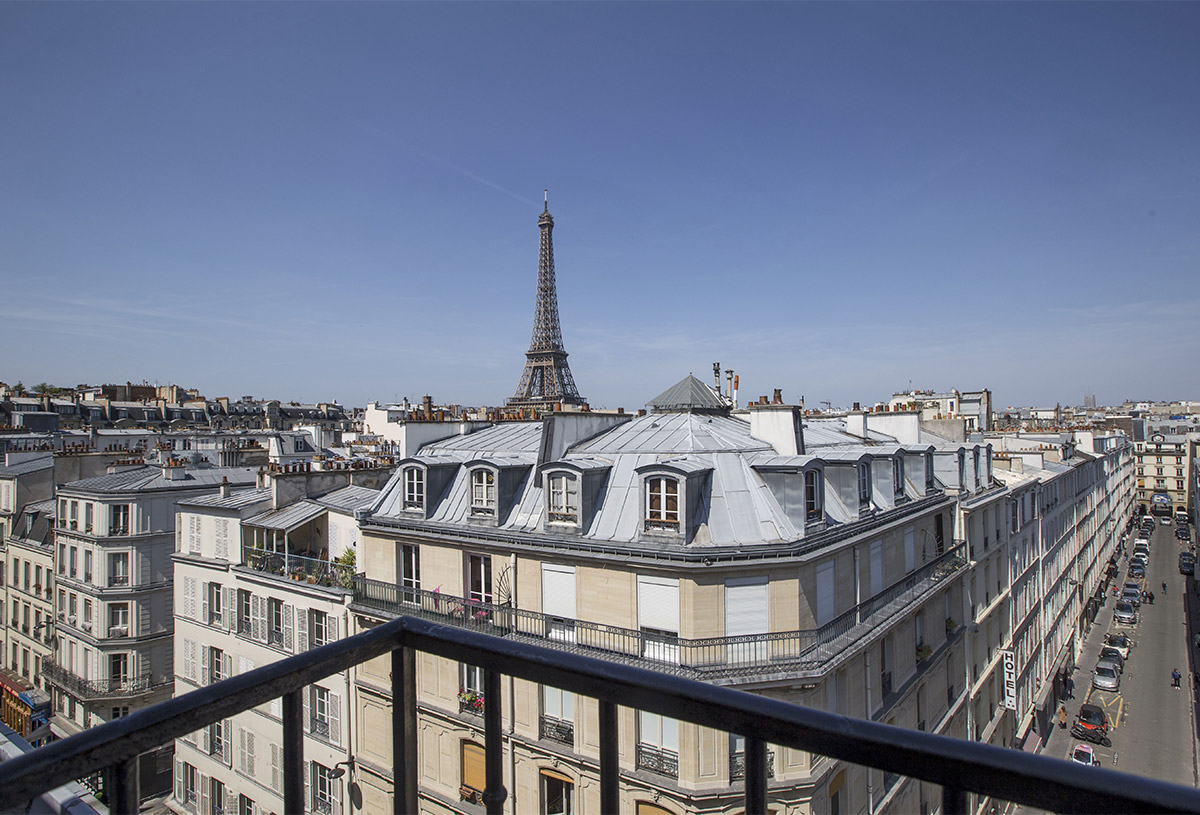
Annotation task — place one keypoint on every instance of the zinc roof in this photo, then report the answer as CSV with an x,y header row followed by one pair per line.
x,y
151,478
661,433
350,498
31,465
237,499
288,518
688,393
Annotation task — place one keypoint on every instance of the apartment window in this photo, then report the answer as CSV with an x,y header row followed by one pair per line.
x,y
216,664
16,570
479,578
62,604
558,715
118,619
62,561
27,571
217,792
812,496
414,488
88,516
62,512
73,522
243,619
118,712
483,492
215,606
275,620
322,788
410,574
658,617
118,668
470,688
87,611
245,806
118,519
558,793
191,784
320,711
658,744
662,504
318,628
898,475
928,472
118,569
563,495
864,485
474,775
1016,516
87,566
74,571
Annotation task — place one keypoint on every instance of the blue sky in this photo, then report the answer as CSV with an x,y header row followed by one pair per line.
x,y
321,201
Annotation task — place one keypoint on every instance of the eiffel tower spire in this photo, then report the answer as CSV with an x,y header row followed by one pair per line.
x,y
546,378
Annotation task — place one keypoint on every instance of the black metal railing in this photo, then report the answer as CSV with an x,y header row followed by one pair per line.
x,y
299,567
97,688
555,729
959,767
706,658
657,760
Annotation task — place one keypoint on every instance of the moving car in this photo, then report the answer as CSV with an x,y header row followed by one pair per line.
x,y
1125,613
1118,641
1166,520
1105,676
1091,725
1085,755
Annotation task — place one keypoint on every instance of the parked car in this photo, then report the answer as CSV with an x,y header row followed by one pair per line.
x,y
1125,613
1187,566
1118,641
1183,534
1106,677
1112,659
1085,755
1166,520
1133,596
1137,570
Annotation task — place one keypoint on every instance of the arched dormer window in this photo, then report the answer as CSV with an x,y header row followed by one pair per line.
x,y
562,497
414,488
814,498
483,492
662,504
864,484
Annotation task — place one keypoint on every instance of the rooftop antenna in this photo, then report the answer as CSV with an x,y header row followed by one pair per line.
x,y
546,200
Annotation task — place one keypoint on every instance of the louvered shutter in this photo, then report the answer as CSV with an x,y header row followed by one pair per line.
x,y
287,627
337,796
205,679
245,664
275,780
242,733
251,767
747,612
193,599
230,605
332,629
335,718
178,533
204,589
227,737
305,695
179,781
206,742
257,621
301,631
226,665
231,801
308,801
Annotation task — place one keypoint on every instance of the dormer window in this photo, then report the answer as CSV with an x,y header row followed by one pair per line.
x,y
483,493
898,475
928,472
414,488
562,492
662,504
962,469
976,459
864,484
813,509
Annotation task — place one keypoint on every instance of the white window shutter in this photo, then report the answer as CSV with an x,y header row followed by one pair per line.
x,y
301,630
229,611
287,627
307,784
242,732
304,697
337,796
227,737
193,604
226,665
179,781
204,589
231,801
245,664
206,742
204,676
251,767
275,780
334,629
335,718
257,621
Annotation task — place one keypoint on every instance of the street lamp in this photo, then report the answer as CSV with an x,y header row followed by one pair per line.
x,y
339,769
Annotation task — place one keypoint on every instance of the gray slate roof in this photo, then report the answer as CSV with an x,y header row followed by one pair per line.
x,y
144,479
288,518
688,393
32,465
350,498
237,499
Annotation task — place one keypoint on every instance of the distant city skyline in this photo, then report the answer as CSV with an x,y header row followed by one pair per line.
x,y
319,202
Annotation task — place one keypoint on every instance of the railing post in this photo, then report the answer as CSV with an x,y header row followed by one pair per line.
x,y
495,793
293,752
756,777
125,793
954,801
610,771
404,730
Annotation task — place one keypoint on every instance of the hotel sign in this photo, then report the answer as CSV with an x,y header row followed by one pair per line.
x,y
1010,680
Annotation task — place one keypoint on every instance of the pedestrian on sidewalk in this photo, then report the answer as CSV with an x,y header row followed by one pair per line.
x,y
1175,675
1062,717
1069,686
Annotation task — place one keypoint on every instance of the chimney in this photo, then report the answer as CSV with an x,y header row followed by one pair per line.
x,y
226,487
735,391
427,407
780,425
777,397
717,376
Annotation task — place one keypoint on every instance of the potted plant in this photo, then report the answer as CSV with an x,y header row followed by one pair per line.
x,y
470,700
923,651
951,624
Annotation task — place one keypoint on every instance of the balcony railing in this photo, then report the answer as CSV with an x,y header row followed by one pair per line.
x,y
958,766
707,658
737,765
96,688
657,760
557,730
298,567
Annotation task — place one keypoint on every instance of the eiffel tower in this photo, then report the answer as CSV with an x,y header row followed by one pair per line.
x,y
546,378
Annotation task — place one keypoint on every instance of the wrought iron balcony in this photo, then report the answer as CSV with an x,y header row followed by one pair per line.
x,y
657,760
737,765
557,730
958,767
96,688
708,658
298,567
